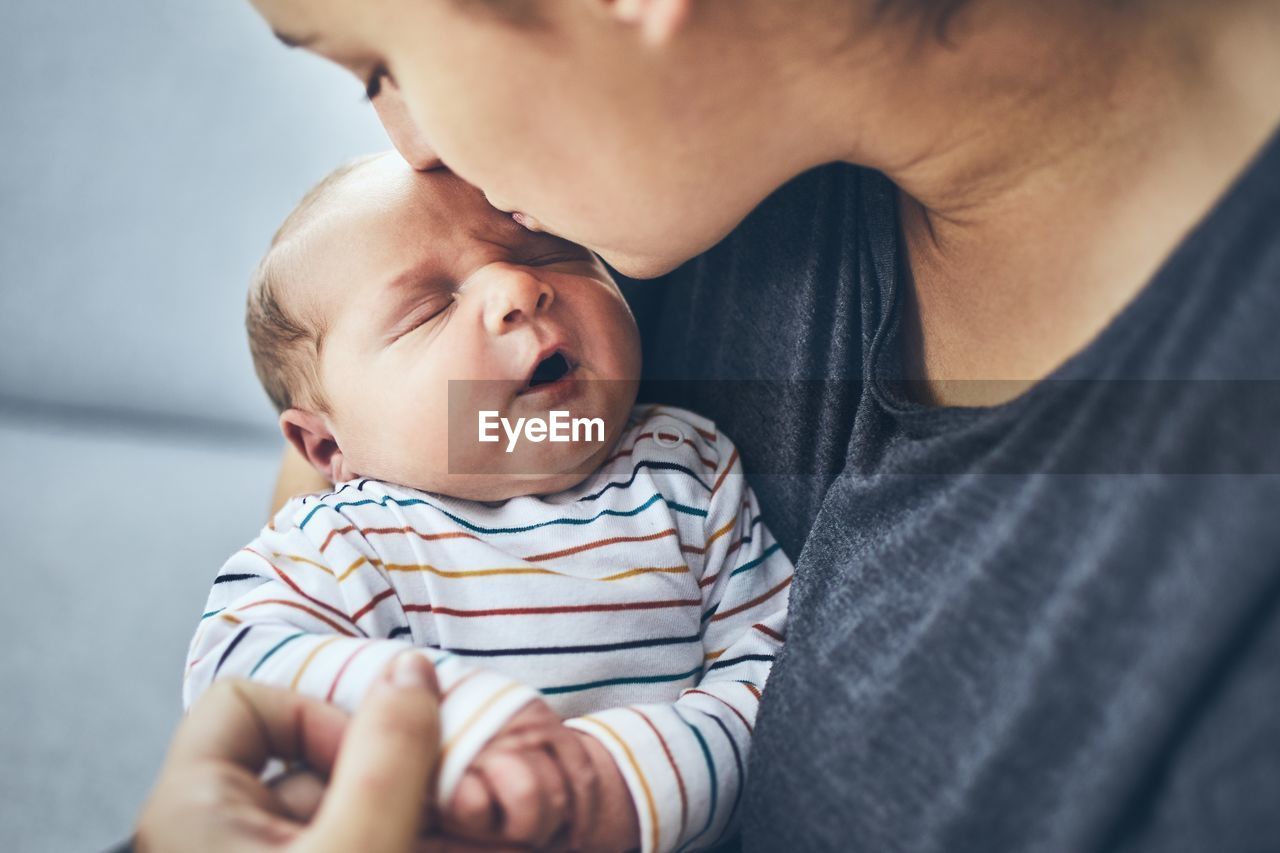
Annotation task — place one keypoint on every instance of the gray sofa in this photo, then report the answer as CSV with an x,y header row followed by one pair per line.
x,y
150,150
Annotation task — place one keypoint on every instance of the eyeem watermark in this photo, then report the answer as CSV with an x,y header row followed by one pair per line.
x,y
559,428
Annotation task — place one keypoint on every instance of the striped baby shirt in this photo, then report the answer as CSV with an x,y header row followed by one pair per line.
x,y
645,605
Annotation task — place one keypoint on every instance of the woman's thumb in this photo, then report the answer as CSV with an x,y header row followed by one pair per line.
x,y
385,765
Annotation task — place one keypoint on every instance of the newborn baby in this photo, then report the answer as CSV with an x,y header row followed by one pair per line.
x,y
421,348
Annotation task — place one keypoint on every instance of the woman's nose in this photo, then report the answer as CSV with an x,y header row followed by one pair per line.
x,y
405,135
512,296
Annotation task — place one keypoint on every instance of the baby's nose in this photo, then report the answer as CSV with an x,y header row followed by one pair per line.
x,y
513,295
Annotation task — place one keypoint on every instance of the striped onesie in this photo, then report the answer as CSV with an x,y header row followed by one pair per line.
x,y
645,605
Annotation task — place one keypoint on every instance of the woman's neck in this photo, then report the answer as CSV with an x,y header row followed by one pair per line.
x,y
1049,160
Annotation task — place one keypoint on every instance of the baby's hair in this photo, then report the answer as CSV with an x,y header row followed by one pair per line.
x,y
286,345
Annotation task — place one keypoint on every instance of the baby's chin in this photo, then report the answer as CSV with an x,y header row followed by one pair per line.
x,y
494,488
527,473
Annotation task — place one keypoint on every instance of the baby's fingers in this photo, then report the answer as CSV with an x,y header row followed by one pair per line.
x,y
474,811
511,797
583,787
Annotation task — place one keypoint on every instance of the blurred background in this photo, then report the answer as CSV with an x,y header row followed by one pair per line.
x,y
150,148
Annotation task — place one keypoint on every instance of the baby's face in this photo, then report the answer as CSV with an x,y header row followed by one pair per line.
x,y
436,307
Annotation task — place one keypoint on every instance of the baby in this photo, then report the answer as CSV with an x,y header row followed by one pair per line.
x,y
424,351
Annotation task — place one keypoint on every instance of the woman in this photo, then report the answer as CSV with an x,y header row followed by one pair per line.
x,y
1037,579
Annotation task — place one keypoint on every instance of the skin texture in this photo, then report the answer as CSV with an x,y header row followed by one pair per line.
x,y
574,122
536,784
297,477
1049,156
418,283
485,296
541,784
210,797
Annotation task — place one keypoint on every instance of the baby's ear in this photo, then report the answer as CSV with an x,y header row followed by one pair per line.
x,y
311,436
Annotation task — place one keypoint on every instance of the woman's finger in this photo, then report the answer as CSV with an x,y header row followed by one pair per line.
x,y
384,769
246,723
209,795
299,794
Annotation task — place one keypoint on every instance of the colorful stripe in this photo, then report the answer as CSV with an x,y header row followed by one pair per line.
x,y
475,717
231,647
628,536
675,768
728,525
613,682
644,783
722,701
458,574
337,676
298,590
753,602
390,531
277,647
374,602
649,436
651,464
232,578
601,543
724,664
295,558
737,761
306,662
733,457
711,777
769,632
547,611
751,564
285,603
577,650
476,528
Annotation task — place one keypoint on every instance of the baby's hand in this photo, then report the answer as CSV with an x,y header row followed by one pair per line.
x,y
542,784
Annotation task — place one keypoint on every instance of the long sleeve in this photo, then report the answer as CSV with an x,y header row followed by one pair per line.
x,y
311,608
685,762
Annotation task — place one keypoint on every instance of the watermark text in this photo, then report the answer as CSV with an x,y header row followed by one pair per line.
x,y
560,427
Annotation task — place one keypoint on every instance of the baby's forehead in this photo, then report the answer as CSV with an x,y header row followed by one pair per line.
x,y
439,202
381,223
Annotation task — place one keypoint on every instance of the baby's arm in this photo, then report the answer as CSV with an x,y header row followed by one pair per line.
x,y
307,610
543,785
680,765
685,762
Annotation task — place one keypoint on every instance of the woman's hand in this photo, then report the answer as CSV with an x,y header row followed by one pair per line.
x,y
210,796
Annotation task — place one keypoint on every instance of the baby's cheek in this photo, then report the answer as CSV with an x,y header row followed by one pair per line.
x,y
432,433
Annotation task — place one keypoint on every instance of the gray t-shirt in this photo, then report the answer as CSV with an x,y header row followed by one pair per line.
x,y
1051,625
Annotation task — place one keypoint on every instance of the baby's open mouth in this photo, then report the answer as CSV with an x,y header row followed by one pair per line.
x,y
551,369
